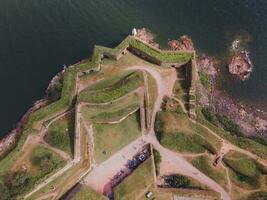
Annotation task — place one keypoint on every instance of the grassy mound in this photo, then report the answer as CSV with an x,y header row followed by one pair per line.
x,y
245,172
61,134
204,164
111,112
136,184
242,142
110,138
88,193
43,163
177,132
117,90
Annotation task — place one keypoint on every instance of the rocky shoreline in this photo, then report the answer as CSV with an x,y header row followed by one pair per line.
x,y
9,141
240,65
252,122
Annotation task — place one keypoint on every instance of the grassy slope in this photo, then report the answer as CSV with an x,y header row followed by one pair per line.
x,y
112,137
204,164
242,142
136,184
88,193
70,177
110,93
44,162
111,112
68,92
180,134
245,172
61,134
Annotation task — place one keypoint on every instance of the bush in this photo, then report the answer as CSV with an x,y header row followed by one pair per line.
x,y
157,160
45,161
229,125
177,181
158,126
204,79
258,196
209,115
119,89
54,92
242,164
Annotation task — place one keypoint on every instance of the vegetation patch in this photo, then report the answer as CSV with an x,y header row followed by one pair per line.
x,y
110,138
162,56
204,79
54,92
61,134
88,193
119,89
43,161
157,160
245,171
258,196
179,181
136,184
177,132
204,164
242,142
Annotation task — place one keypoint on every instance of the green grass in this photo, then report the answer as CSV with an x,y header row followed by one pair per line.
x,y
136,184
88,193
258,196
204,164
244,171
182,182
67,97
241,163
119,89
111,112
157,161
177,132
110,138
242,142
183,142
204,79
110,80
60,134
44,162
162,56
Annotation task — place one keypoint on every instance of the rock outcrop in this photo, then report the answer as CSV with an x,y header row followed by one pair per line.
x,y
147,36
240,65
184,43
208,64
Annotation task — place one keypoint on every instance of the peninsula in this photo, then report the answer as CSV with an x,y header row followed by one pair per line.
x,y
133,122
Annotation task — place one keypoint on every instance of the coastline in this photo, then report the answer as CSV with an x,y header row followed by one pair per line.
x,y
252,121
9,141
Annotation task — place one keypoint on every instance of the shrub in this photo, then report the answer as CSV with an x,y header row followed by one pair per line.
x,y
177,181
258,196
210,116
157,160
204,79
229,125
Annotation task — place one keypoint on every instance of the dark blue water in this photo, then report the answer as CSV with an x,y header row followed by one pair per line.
x,y
38,36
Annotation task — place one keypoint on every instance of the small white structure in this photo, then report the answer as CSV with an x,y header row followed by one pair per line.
x,y
149,194
134,32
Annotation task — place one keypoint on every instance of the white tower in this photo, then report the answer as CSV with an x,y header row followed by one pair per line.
x,y
134,32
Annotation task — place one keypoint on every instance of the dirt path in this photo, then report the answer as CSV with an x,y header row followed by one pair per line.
x,y
61,153
165,88
101,175
227,146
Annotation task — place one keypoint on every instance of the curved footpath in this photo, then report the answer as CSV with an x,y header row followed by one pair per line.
x,y
185,168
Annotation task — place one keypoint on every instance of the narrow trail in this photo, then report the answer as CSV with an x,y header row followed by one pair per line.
x,y
165,88
227,146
